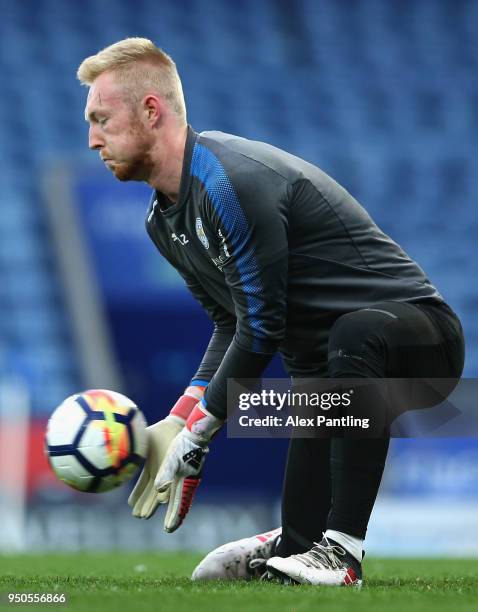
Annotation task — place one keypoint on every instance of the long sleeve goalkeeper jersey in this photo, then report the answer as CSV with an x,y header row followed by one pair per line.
x,y
275,251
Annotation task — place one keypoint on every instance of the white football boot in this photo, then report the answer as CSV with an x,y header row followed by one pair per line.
x,y
240,560
326,563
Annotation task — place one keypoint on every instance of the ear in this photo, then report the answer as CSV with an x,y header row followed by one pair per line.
x,y
153,109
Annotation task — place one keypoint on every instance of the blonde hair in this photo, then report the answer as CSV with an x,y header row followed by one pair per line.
x,y
141,67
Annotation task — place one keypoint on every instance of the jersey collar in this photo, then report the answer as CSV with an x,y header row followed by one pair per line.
x,y
186,178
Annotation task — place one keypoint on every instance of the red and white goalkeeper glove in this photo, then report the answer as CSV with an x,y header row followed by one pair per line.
x,y
182,467
144,498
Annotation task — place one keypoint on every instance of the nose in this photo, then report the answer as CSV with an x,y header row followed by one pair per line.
x,y
94,139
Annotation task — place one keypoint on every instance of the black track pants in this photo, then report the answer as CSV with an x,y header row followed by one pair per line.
x,y
333,483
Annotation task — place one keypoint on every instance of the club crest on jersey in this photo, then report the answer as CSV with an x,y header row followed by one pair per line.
x,y
201,234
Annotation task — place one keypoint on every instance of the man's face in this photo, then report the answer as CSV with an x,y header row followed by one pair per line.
x,y
116,130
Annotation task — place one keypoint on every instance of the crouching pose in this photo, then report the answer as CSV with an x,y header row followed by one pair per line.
x,y
283,259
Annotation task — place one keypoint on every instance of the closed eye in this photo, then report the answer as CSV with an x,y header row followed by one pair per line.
x,y
93,117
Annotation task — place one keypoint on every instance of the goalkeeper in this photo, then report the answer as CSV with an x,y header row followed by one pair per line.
x,y
283,259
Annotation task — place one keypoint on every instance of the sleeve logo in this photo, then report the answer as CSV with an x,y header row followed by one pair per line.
x,y
201,234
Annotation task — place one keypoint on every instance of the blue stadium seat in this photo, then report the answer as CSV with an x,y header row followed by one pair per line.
x,y
339,83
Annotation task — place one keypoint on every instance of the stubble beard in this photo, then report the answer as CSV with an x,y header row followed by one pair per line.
x,y
140,164
135,169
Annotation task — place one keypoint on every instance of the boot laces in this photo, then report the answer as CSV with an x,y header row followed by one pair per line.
x,y
323,556
256,565
255,562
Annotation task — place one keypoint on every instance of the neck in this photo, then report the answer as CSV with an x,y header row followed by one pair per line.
x,y
165,176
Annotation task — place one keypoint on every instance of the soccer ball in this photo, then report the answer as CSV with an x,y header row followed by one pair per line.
x,y
96,440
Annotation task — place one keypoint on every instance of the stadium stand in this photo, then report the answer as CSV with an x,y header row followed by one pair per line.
x,y
382,95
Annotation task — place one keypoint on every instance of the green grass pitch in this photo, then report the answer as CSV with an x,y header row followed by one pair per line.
x,y
124,582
